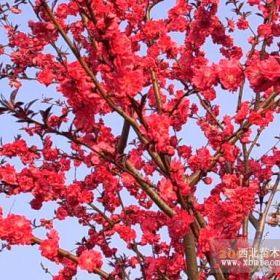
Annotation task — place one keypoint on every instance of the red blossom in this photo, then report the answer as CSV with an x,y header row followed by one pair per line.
x,y
262,74
205,78
15,10
202,159
242,24
159,132
16,230
230,152
265,30
166,190
19,148
253,2
230,74
90,260
261,119
242,112
8,174
179,225
49,247
45,77
126,233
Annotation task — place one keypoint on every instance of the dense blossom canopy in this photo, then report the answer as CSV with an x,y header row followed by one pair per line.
x,y
162,118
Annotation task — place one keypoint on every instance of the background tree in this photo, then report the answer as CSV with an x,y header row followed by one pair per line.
x,y
142,179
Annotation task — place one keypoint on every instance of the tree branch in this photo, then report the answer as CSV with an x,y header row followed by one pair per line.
x,y
74,258
100,89
263,216
123,138
149,190
190,255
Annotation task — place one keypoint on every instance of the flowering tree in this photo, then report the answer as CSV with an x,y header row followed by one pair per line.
x,y
142,182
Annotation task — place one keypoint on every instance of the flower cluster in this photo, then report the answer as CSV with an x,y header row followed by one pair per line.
x,y
15,230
